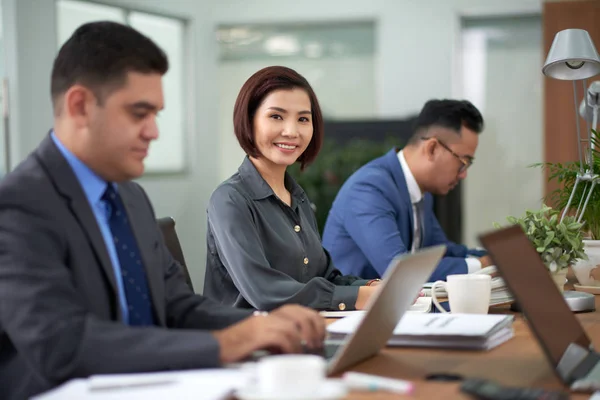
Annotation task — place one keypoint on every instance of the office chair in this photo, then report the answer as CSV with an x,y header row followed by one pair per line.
x,y
167,227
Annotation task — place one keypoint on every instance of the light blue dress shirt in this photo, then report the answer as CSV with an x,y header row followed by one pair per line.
x,y
94,187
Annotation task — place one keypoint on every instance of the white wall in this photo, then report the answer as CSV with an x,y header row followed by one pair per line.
x,y
336,82
504,64
415,61
415,39
30,46
30,32
418,58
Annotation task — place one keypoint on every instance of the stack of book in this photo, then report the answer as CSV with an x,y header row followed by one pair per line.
x,y
451,331
500,293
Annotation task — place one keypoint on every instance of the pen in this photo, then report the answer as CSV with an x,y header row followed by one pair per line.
x,y
360,381
129,385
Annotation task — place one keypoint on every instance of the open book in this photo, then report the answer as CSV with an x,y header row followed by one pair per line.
x,y
500,293
452,331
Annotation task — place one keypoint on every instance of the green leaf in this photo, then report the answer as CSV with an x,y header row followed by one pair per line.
x,y
555,241
548,239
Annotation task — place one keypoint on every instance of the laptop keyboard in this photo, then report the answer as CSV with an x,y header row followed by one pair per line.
x,y
591,382
327,351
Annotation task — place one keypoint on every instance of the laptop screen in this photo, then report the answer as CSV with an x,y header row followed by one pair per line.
x,y
548,314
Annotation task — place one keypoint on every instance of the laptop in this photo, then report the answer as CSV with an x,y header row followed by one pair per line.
x,y
397,291
560,334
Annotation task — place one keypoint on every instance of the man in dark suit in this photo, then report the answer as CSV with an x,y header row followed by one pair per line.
x,y
87,285
386,208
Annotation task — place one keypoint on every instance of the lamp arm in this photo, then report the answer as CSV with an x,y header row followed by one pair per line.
x,y
570,198
578,129
594,123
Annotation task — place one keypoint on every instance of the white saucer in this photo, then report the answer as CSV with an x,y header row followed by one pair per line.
x,y
331,389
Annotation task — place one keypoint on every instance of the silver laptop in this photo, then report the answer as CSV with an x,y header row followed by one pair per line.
x,y
398,289
560,334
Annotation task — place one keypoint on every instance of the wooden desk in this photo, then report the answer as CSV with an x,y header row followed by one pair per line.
x,y
518,362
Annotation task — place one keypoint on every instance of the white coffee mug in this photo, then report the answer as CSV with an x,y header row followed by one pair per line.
x,y
467,293
294,373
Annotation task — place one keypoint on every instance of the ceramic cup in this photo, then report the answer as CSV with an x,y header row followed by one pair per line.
x,y
467,293
588,271
294,373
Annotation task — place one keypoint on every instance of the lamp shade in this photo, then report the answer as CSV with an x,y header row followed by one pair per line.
x,y
572,56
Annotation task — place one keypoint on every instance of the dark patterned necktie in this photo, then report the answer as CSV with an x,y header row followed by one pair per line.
x,y
132,270
419,223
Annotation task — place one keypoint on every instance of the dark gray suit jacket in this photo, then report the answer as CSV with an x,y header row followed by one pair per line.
x,y
59,312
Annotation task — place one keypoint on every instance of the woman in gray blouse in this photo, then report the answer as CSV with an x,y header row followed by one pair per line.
x,y
264,248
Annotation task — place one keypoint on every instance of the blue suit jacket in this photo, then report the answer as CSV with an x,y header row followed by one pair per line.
x,y
371,222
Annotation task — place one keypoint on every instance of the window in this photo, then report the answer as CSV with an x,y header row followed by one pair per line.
x,y
167,154
338,59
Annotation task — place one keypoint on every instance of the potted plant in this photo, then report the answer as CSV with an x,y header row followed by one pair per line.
x,y
586,270
560,244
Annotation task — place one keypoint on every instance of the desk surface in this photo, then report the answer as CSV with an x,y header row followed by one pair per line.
x,y
518,362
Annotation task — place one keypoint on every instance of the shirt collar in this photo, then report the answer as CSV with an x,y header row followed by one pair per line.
x,y
92,184
411,183
258,187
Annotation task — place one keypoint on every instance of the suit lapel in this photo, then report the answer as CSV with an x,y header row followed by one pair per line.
x,y
393,165
68,186
148,248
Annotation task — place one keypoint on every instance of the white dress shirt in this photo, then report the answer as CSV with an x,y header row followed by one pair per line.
x,y
414,191
416,195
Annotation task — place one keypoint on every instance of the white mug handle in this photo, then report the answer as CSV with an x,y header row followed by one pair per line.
x,y
434,297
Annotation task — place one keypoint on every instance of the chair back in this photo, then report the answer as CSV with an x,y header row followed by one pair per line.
x,y
167,227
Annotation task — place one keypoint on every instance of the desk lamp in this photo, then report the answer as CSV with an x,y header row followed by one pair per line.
x,y
573,57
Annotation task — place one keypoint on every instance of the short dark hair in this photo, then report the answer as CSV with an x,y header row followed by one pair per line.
x,y
100,54
451,114
252,94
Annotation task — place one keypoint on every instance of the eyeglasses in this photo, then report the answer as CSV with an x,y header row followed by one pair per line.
x,y
466,161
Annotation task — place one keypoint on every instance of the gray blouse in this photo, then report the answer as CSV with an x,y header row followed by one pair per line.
x,y
263,253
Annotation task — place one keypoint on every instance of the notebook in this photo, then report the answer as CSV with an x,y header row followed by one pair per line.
x,y
452,331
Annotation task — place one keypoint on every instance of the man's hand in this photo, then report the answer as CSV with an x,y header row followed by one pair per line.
x,y
310,324
485,261
287,329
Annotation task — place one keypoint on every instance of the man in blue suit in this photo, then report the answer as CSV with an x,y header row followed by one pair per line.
x,y
385,208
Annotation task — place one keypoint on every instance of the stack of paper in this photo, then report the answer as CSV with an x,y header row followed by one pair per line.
x,y
422,305
207,384
499,295
453,331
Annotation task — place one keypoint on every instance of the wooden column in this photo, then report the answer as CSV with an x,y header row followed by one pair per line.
x,y
559,114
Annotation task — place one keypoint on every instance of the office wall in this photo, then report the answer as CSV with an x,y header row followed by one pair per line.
x,y
415,39
502,76
414,62
344,86
30,33
418,57
29,44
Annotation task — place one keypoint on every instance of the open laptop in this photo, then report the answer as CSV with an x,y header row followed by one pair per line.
x,y
397,291
559,332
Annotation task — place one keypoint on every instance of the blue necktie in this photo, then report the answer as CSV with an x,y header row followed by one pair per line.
x,y
132,269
